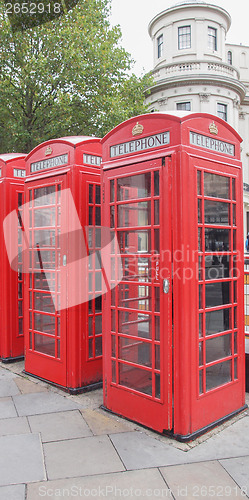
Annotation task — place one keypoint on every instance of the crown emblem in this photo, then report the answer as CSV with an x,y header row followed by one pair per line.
x,y
48,151
213,129
137,129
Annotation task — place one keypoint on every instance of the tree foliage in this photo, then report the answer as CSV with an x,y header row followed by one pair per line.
x,y
69,76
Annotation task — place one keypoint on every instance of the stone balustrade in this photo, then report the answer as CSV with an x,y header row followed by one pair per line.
x,y
195,67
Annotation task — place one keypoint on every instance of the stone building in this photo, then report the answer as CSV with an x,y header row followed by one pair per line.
x,y
195,69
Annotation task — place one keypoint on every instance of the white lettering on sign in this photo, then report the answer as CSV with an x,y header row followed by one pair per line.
x,y
210,143
18,172
157,270
92,160
56,161
150,142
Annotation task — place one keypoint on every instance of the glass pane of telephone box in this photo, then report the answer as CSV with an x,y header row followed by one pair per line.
x,y
136,268
44,344
134,296
134,214
135,378
98,346
135,186
218,374
134,323
156,183
218,321
216,186
218,348
216,267
44,217
44,196
217,240
134,241
216,212
44,323
135,351
217,294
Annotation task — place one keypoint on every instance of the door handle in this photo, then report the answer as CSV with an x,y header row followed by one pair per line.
x,y
166,286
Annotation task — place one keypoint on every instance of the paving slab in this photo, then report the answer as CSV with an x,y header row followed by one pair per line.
x,y
233,441
8,388
15,425
146,451
26,386
201,480
44,402
7,408
16,367
132,484
91,399
238,469
101,423
81,457
4,373
138,451
21,459
59,426
14,492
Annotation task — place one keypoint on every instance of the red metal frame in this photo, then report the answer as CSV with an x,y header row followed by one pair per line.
x,y
58,350
12,173
221,338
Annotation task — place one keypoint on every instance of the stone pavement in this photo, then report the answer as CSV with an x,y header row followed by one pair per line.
x,y
53,445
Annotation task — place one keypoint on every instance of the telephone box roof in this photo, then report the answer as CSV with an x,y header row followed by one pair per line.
x,y
72,140
11,156
178,115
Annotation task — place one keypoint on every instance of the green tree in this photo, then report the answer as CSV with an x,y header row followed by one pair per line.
x,y
69,76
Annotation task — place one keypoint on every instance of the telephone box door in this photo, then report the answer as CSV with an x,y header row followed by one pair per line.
x,y
46,342
138,352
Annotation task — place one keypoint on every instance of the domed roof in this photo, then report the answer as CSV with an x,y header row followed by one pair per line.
x,y
188,1
191,3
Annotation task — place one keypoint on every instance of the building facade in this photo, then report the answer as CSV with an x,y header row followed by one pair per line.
x,y
195,69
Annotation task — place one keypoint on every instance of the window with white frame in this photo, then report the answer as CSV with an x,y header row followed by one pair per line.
x,y
229,57
184,106
184,37
212,38
160,46
222,111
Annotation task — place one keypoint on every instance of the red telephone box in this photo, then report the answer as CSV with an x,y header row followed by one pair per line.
x,y
174,341
63,317
12,174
